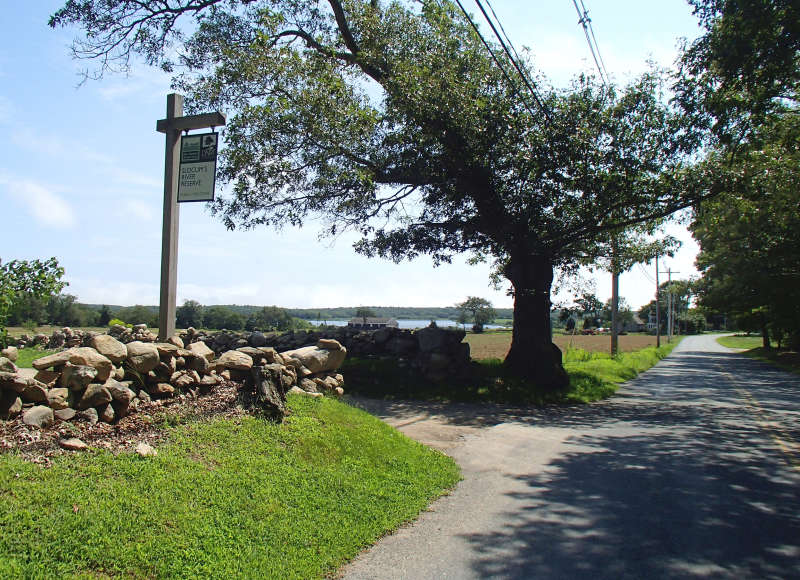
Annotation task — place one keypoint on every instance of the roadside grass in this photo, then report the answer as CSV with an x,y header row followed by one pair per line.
x,y
593,376
222,499
741,341
26,356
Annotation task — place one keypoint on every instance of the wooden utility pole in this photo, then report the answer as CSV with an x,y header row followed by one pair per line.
x,y
658,309
172,127
614,299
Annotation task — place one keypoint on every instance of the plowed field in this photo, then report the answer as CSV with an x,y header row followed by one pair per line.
x,y
496,344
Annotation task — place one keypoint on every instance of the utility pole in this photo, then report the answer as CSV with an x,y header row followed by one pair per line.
x,y
614,299
658,309
671,300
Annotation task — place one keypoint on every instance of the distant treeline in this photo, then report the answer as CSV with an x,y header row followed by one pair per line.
x,y
347,312
398,312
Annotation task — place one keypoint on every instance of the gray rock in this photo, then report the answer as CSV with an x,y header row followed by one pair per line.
x,y
48,378
11,353
145,450
235,360
94,396
110,348
39,416
65,414
318,360
143,357
176,340
77,377
201,349
34,393
73,444
10,404
89,415
257,339
106,413
58,398
119,392
85,355
7,365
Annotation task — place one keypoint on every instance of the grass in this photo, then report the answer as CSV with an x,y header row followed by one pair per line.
x,y
783,358
26,356
222,499
593,376
741,341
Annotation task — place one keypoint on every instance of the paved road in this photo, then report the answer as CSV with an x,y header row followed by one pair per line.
x,y
693,470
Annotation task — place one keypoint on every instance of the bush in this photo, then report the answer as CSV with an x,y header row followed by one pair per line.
x,y
118,322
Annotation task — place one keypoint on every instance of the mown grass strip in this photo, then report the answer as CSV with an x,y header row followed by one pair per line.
x,y
223,499
741,341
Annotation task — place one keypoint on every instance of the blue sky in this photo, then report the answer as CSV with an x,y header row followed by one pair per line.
x,y
81,174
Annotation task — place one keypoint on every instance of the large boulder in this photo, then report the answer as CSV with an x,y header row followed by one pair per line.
x,y
235,360
110,348
142,356
88,356
94,396
200,348
316,359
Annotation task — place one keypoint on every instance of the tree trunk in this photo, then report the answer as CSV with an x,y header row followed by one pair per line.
x,y
533,355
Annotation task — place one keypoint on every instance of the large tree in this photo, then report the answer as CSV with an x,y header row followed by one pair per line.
x,y
390,118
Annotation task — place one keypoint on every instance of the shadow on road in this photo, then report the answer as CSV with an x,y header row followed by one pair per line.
x,y
688,454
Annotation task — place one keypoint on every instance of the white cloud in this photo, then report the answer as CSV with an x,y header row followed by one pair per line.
x,y
40,201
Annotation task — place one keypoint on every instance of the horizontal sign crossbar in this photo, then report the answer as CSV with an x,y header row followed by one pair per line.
x,y
190,122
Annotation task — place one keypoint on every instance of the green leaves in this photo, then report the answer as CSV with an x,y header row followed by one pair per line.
x,y
35,278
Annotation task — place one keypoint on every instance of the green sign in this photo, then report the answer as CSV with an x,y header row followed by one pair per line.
x,y
198,167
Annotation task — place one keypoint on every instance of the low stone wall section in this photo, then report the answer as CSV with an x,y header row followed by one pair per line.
x,y
107,380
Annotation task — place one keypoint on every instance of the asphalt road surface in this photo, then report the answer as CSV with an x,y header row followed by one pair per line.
x,y
692,470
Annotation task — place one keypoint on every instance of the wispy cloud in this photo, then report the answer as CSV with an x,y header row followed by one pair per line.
x,y
51,145
46,207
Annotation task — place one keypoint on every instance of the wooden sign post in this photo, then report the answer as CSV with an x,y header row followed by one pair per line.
x,y
172,127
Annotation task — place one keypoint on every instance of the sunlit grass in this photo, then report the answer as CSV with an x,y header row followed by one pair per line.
x,y
223,499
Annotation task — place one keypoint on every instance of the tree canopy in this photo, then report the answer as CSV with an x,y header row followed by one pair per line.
x,y
750,235
477,309
391,119
744,68
21,279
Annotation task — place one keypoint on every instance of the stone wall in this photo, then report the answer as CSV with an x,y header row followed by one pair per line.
x,y
108,379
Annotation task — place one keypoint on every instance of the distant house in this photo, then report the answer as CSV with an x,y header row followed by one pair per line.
x,y
370,323
634,325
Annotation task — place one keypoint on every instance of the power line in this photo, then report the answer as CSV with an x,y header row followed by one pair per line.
x,y
591,40
513,58
494,57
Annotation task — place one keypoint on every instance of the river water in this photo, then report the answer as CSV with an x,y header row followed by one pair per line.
x,y
410,324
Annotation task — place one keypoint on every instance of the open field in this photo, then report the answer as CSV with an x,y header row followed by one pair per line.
x,y
17,331
496,344
741,341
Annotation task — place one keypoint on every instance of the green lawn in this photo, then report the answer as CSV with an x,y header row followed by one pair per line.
x,y
223,499
741,341
28,355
